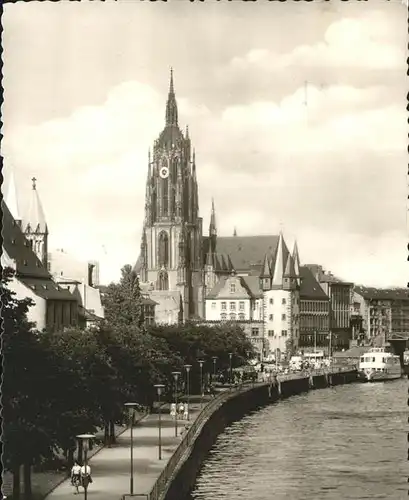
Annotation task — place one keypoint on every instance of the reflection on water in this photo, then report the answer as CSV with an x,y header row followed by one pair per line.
x,y
346,442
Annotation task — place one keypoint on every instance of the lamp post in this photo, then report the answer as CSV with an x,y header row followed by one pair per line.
x,y
200,361
214,358
159,388
231,369
187,368
176,377
131,410
84,438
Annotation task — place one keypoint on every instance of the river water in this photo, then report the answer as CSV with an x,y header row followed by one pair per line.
x,y
345,442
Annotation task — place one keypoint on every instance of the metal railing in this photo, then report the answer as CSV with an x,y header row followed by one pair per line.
x,y
170,468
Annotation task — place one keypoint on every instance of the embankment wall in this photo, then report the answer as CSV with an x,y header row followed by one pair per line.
x,y
180,477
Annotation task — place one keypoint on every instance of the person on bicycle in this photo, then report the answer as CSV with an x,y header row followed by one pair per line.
x,y
86,472
75,472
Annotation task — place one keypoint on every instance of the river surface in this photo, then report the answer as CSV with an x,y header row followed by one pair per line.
x,y
345,442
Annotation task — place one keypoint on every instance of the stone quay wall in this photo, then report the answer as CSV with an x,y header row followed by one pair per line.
x,y
179,475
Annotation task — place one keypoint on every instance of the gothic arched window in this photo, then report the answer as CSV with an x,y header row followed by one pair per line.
x,y
165,197
163,281
163,249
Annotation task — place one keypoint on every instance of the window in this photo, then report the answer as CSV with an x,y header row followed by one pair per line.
x,y
284,333
254,332
241,306
232,306
271,333
223,317
25,263
271,301
232,317
271,317
224,306
283,317
213,305
242,317
284,302
233,288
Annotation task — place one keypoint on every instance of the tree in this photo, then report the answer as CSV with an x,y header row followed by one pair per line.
x,y
27,367
194,341
123,301
89,382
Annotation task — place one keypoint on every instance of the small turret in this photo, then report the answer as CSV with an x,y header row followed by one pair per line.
x,y
35,227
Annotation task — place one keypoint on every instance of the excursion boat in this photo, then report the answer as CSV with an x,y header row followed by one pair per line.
x,y
378,364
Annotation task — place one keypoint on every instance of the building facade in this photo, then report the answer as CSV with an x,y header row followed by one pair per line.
x,y
262,296
171,243
384,312
314,312
340,297
54,308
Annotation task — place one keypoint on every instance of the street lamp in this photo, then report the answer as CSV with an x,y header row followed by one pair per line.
x,y
176,376
231,369
187,368
159,389
131,410
214,358
200,361
84,439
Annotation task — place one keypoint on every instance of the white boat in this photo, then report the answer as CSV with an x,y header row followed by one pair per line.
x,y
378,364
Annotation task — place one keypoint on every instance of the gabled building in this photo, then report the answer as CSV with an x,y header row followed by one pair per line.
x,y
314,312
340,296
54,307
265,289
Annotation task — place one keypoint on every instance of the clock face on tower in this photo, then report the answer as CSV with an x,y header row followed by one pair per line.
x,y
164,172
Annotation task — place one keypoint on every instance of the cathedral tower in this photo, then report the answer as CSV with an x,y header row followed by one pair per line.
x,y
172,234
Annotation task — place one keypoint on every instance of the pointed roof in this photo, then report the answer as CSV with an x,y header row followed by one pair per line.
x,y
212,225
290,268
296,258
266,271
280,261
35,218
171,106
11,198
30,271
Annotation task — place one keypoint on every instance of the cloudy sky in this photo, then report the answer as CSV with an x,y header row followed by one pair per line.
x,y
85,92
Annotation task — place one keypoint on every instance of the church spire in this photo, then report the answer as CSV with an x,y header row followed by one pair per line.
x,y
212,225
35,218
12,199
171,106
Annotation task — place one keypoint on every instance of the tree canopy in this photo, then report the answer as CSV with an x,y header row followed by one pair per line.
x,y
60,384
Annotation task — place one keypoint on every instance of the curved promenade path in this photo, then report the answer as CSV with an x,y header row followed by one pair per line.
x,y
111,466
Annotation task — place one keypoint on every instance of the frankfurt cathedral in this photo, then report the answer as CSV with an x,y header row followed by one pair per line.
x,y
175,256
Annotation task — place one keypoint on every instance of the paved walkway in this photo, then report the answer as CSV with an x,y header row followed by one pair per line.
x,y
111,466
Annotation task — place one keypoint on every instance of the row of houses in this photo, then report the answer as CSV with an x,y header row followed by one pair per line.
x,y
284,306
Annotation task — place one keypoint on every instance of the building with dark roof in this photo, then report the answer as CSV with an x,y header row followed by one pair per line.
x,y
54,307
265,291
340,297
314,311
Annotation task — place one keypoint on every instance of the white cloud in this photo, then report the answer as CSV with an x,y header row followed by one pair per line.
x,y
323,171
359,43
